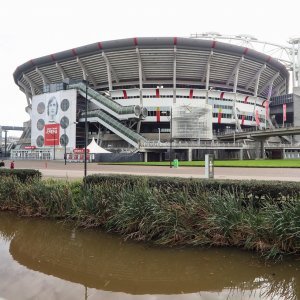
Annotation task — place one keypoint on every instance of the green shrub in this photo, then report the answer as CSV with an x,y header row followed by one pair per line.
x,y
23,175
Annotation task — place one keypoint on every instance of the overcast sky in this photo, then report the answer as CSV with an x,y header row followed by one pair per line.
x,y
34,28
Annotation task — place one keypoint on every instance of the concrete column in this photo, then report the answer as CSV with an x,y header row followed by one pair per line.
x,y
241,154
262,149
190,154
257,150
216,154
160,156
145,156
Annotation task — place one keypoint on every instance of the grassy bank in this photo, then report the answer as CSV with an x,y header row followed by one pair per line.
x,y
260,163
165,211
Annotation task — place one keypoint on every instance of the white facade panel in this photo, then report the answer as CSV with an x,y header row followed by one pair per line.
x,y
53,119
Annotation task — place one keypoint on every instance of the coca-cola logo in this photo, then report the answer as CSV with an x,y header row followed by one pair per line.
x,y
51,130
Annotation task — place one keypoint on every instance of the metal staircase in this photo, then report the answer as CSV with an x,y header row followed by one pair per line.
x,y
114,125
106,104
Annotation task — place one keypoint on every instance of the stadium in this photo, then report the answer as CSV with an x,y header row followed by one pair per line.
x,y
153,95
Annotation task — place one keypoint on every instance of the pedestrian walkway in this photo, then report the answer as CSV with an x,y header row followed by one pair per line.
x,y
57,169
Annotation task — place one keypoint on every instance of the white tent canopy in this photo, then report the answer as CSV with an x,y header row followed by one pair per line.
x,y
95,148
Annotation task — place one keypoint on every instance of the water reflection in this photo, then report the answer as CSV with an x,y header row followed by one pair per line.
x,y
104,262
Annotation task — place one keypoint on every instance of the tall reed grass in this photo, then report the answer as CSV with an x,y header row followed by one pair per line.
x,y
193,215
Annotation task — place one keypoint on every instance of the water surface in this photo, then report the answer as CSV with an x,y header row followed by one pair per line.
x,y
42,259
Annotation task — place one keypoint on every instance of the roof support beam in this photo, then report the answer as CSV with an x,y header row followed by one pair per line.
x,y
141,74
43,76
278,88
256,77
27,91
61,71
235,70
174,75
269,84
110,70
206,72
32,85
86,75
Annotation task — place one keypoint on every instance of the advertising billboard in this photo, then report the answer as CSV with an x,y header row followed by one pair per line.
x,y
53,118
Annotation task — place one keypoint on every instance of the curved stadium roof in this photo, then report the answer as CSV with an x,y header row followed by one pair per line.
x,y
156,56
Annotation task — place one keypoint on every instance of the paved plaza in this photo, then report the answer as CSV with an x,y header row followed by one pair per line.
x,y
58,169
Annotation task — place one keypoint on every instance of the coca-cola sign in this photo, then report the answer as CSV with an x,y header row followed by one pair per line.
x,y
52,134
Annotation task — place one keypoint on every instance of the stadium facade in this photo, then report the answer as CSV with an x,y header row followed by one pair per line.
x,y
147,89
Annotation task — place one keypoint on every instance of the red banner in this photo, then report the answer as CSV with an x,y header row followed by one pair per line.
x,y
52,134
284,112
29,147
267,108
157,93
157,114
220,115
256,118
243,120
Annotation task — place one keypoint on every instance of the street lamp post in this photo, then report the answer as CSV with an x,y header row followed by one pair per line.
x,y
54,145
65,142
85,131
171,138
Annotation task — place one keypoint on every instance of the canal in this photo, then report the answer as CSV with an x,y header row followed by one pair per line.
x,y
44,259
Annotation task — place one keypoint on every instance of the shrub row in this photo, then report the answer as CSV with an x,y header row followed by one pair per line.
x,y
169,211
23,175
245,190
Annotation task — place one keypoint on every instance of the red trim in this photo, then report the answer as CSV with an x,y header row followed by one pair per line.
x,y
267,108
135,41
74,52
284,112
53,57
220,116
213,44
125,94
100,46
191,94
222,95
175,41
157,114
243,120
157,93
246,99
257,118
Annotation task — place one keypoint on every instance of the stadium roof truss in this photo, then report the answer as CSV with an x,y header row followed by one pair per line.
x,y
139,61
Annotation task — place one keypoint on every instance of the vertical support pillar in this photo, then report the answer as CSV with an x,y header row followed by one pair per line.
x,y
216,154
160,156
174,76
145,156
241,157
140,76
262,149
190,154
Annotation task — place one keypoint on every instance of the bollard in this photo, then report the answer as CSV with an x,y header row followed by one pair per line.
x,y
209,166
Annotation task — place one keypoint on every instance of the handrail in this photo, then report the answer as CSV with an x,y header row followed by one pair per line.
x,y
106,103
129,133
